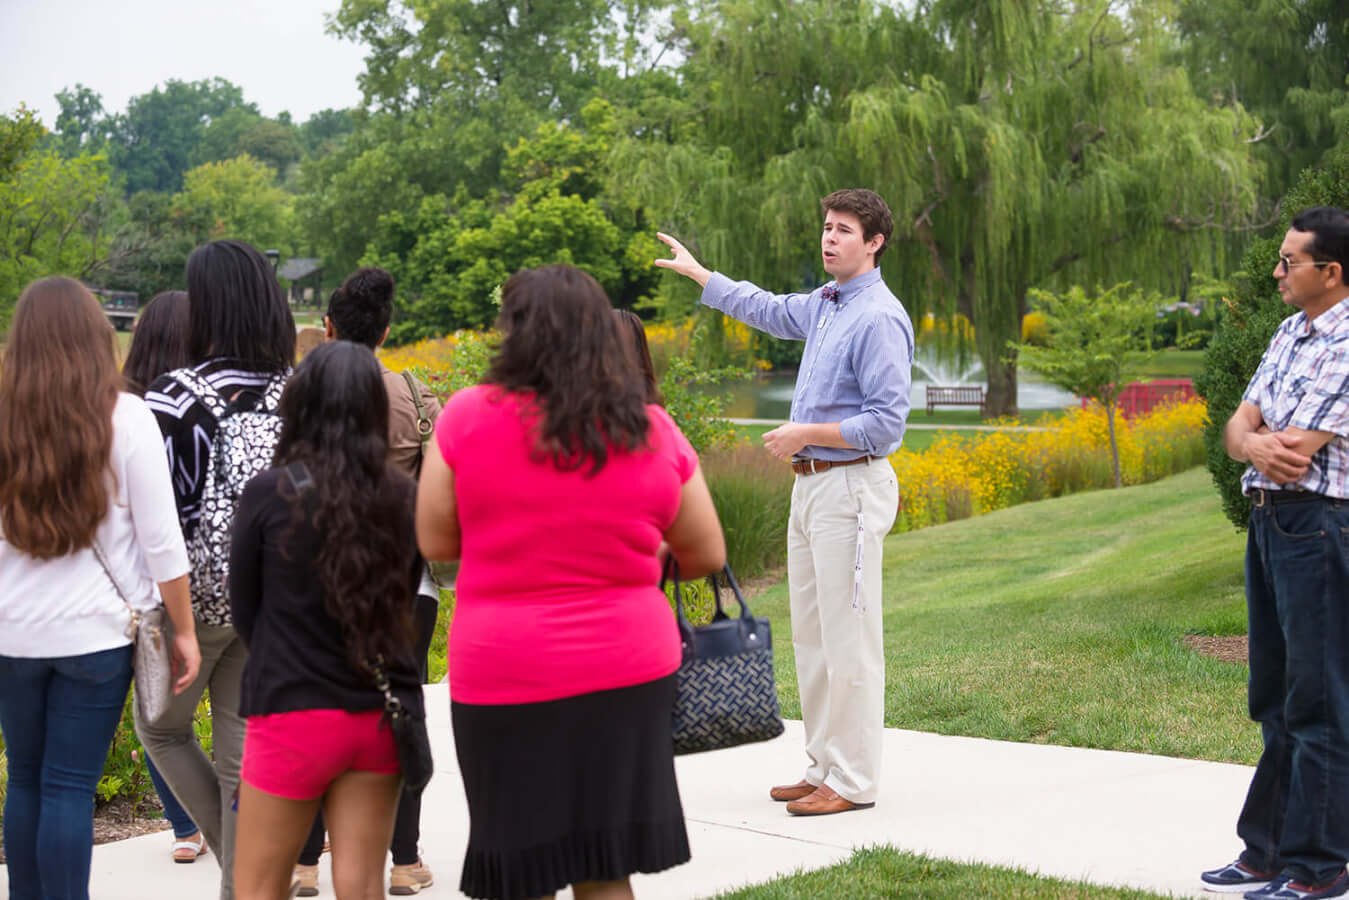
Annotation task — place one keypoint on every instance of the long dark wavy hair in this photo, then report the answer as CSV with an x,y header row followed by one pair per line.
x,y
58,386
335,420
561,342
159,343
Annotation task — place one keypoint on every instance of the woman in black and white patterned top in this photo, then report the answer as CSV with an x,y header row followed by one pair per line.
x,y
242,342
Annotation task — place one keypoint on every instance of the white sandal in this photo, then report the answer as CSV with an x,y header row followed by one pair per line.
x,y
187,851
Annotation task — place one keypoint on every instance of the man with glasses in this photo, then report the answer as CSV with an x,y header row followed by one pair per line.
x,y
1292,427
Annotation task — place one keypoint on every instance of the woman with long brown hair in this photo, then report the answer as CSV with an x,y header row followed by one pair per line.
x,y
82,474
563,488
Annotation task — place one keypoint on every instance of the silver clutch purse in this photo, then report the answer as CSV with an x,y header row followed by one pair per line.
x,y
151,633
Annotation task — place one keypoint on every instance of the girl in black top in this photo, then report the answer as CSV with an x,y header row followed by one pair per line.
x,y
323,570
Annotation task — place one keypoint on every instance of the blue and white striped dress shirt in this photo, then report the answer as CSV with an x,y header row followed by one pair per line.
x,y
856,367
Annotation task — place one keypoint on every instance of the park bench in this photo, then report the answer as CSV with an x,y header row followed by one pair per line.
x,y
955,396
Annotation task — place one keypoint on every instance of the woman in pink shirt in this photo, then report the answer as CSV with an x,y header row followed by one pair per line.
x,y
562,490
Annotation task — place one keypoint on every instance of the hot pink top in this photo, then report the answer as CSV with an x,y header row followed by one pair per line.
x,y
558,588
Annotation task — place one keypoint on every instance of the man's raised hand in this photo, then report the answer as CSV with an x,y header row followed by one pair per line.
x,y
683,261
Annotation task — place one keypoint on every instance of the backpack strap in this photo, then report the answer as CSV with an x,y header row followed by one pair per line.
x,y
425,426
201,389
271,396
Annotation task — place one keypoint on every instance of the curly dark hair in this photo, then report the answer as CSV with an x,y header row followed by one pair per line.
x,y
870,210
159,343
562,344
335,420
361,308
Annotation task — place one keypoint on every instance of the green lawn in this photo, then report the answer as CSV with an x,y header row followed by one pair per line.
x,y
1170,364
1063,622
886,872
1056,622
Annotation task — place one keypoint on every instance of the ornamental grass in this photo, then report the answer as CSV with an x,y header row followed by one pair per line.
x,y
959,476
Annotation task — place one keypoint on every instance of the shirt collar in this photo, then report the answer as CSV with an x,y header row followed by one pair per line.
x,y
1329,322
856,285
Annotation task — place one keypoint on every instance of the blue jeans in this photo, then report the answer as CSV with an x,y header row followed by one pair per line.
x,y
58,716
182,823
1296,818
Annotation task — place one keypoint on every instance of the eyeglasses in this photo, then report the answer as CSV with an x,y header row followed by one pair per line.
x,y
1286,264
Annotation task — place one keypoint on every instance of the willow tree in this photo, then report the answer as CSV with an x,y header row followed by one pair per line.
x,y
1019,144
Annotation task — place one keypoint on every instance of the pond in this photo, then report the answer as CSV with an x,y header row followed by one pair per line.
x,y
769,396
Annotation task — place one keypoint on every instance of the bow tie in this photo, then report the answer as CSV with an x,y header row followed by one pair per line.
x,y
830,293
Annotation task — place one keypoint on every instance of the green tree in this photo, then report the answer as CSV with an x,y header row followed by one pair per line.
x,y
454,262
50,216
324,130
242,130
1019,145
238,198
1249,319
153,142
450,85
81,125
1092,341
1284,62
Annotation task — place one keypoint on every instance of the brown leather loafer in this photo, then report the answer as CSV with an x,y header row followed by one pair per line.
x,y
796,791
823,802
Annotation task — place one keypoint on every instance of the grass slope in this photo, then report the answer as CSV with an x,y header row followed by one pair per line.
x,y
885,872
1063,622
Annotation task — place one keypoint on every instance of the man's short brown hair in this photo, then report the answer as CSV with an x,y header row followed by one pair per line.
x,y
870,210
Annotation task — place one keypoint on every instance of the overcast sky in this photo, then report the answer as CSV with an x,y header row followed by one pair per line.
x,y
276,50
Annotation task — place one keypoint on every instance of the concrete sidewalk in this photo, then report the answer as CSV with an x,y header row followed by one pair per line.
x,y
1109,818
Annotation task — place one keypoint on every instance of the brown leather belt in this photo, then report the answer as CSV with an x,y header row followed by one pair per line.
x,y
816,466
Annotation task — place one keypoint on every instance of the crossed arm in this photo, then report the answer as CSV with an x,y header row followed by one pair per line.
x,y
1281,456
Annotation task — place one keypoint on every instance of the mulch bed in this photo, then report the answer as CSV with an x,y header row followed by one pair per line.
x,y
1229,648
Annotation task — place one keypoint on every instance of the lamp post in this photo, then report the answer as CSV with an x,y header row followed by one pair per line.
x,y
274,256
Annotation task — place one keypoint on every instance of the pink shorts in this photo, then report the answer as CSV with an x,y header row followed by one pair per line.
x,y
298,754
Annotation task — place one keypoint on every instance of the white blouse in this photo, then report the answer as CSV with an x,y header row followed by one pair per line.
x,y
67,606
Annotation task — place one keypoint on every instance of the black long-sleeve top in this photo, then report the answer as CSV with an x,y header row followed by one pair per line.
x,y
296,653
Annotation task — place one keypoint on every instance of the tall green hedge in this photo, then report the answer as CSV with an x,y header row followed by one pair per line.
x,y
1249,319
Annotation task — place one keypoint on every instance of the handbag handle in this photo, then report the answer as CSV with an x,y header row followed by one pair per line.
x,y
134,625
671,573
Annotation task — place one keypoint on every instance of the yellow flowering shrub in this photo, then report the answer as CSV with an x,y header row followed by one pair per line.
x,y
958,476
445,364
667,340
1034,329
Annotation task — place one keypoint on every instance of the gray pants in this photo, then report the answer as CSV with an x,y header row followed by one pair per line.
x,y
204,789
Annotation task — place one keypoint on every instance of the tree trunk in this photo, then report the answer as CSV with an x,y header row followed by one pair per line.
x,y
1114,444
1001,387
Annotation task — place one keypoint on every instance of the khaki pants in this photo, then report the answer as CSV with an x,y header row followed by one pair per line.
x,y
840,660
206,790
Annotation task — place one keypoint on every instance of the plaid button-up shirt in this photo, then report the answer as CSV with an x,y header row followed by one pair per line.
x,y
1303,382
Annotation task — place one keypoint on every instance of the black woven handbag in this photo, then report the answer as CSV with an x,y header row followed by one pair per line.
x,y
726,694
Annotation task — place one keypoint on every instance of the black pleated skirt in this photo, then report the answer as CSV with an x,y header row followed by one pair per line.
x,y
578,789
